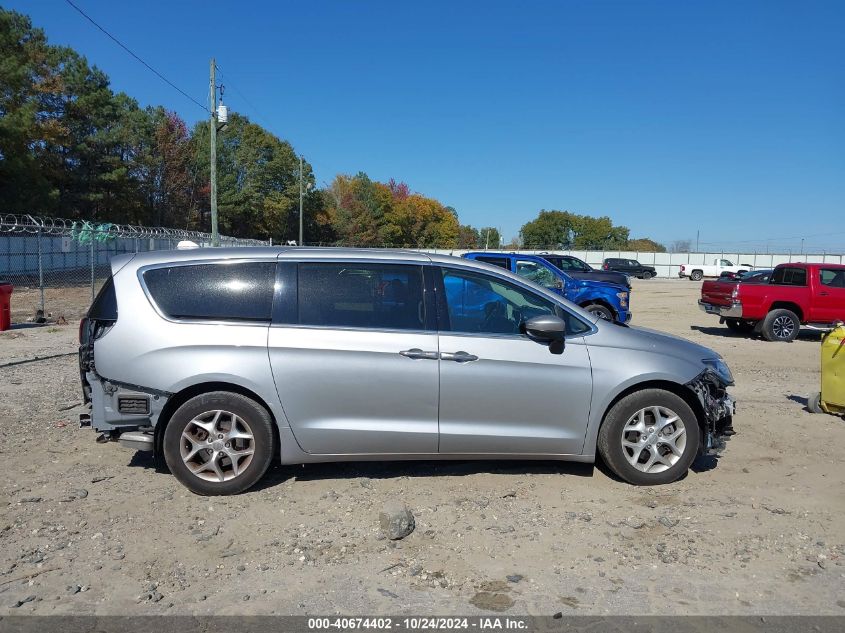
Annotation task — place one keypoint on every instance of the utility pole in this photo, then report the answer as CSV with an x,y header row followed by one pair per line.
x,y
300,202
215,235
697,235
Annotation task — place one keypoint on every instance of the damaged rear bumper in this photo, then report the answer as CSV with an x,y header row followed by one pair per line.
x,y
719,410
123,412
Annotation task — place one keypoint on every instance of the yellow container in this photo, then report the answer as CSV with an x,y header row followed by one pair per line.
x,y
833,371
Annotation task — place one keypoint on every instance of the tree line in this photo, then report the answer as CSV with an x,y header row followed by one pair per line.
x,y
72,147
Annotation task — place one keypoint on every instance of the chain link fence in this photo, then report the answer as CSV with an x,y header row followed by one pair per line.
x,y
57,266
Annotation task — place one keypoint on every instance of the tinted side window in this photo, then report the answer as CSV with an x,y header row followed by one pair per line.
x,y
833,277
361,295
239,291
482,304
790,277
502,262
104,307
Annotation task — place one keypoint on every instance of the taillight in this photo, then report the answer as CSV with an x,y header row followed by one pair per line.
x,y
735,292
605,266
683,268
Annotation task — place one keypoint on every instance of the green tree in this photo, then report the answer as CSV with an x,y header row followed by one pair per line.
x,y
551,229
31,89
257,180
644,244
598,233
489,237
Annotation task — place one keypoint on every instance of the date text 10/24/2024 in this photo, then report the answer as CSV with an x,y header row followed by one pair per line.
x,y
409,623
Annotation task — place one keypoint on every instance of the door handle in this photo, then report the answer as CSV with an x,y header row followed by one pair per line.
x,y
417,353
458,357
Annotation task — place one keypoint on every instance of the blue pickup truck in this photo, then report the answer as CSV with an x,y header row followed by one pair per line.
x,y
606,300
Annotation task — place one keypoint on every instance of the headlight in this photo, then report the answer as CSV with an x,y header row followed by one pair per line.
x,y
720,368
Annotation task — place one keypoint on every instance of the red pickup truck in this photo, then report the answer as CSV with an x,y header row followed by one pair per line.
x,y
796,295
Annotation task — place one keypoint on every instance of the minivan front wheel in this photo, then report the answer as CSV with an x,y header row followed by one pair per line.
x,y
649,437
219,443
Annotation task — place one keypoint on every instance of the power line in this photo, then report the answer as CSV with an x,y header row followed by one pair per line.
x,y
243,96
259,115
128,50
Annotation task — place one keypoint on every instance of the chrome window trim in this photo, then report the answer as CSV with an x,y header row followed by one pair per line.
x,y
206,262
347,328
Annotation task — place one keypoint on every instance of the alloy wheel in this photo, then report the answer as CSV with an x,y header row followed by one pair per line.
x,y
654,439
783,327
217,445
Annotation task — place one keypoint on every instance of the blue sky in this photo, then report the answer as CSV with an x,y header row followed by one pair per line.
x,y
670,117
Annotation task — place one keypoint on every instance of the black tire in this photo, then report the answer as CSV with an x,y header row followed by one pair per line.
x,y
739,326
611,434
647,274
814,403
603,312
781,326
696,275
258,423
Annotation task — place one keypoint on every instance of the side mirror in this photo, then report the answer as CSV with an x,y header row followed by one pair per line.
x,y
547,328
559,284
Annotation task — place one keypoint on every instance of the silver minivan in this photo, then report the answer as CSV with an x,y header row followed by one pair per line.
x,y
220,360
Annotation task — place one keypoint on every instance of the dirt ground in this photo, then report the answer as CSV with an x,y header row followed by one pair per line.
x,y
89,528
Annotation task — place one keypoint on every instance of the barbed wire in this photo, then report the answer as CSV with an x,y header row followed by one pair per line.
x,y
33,225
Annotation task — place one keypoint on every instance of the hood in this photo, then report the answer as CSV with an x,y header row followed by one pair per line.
x,y
639,338
598,283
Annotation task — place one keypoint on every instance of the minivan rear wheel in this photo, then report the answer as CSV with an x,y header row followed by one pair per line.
x,y
219,443
649,437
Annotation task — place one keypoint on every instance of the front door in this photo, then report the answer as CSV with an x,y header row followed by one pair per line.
x,y
500,392
354,358
830,300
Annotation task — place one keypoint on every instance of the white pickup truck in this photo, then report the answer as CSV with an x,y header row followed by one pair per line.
x,y
697,272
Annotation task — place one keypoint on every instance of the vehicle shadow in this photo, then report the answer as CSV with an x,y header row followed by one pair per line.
x,y
418,469
725,332
802,400
720,331
279,473
704,463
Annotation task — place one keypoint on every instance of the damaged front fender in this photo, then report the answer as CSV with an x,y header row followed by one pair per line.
x,y
719,408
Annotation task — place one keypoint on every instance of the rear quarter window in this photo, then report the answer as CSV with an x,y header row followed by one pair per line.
x,y
225,291
104,307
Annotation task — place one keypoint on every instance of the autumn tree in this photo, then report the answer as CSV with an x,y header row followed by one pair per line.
x,y
369,213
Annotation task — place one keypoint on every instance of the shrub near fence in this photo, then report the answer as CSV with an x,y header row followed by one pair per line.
x,y
58,265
